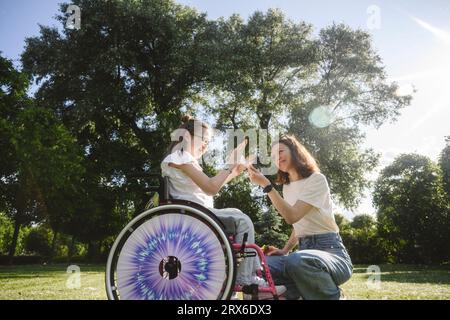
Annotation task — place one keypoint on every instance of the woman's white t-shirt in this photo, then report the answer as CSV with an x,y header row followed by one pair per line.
x,y
180,185
315,191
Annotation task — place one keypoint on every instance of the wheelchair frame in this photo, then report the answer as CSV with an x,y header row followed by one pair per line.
x,y
235,252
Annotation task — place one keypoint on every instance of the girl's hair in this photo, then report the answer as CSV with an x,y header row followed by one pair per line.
x,y
304,162
187,123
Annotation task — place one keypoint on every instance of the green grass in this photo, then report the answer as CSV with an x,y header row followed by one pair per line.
x,y
49,282
400,282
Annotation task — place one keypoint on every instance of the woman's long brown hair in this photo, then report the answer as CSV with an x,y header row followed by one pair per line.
x,y
304,162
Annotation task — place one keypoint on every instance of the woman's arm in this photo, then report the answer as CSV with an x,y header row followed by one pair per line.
x,y
290,244
291,214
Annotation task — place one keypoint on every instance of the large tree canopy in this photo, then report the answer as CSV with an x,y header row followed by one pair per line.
x,y
324,90
263,64
119,82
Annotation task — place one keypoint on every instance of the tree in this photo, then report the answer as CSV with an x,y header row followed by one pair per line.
x,y
338,152
41,157
120,81
119,84
6,230
444,163
274,69
412,209
362,240
363,221
39,241
259,69
341,221
16,185
350,90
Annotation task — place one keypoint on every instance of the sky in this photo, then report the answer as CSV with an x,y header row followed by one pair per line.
x,y
412,37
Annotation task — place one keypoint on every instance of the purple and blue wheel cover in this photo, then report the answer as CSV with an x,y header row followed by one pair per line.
x,y
200,268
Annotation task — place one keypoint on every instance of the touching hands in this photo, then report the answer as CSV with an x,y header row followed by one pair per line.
x,y
237,169
257,177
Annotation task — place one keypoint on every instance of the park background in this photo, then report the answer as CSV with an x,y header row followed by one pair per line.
x,y
84,113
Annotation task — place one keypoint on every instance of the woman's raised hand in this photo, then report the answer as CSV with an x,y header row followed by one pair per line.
x,y
257,177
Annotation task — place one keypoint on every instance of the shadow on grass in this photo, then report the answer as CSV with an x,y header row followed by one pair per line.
x,y
43,271
410,273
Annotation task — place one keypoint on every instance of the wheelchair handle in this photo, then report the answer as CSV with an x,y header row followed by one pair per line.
x,y
244,240
162,189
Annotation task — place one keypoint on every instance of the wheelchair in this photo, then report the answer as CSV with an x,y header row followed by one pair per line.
x,y
179,250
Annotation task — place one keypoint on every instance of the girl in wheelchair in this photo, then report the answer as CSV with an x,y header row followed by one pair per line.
x,y
187,181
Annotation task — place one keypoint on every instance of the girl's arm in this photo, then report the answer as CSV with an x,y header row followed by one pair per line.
x,y
291,214
210,186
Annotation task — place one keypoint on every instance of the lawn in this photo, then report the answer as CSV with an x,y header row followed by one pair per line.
x,y
49,282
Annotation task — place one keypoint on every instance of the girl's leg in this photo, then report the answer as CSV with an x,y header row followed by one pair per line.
x,y
244,224
277,266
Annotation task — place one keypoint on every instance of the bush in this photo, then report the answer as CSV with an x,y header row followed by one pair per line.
x,y
364,246
6,235
39,241
362,240
6,231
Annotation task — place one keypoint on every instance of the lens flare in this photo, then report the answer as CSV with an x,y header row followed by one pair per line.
x,y
321,117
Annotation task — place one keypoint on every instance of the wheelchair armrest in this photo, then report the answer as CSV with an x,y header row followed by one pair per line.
x,y
229,224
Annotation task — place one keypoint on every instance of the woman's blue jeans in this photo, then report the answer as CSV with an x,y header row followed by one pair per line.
x,y
315,271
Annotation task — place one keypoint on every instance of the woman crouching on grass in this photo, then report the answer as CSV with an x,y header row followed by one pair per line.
x,y
322,263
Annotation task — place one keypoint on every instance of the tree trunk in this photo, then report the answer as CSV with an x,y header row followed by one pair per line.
x,y
71,248
89,251
264,121
52,253
12,248
100,252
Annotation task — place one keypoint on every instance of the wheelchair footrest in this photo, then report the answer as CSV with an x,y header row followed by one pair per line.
x,y
252,290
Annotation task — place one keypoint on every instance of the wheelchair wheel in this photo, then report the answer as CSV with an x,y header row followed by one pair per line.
x,y
171,252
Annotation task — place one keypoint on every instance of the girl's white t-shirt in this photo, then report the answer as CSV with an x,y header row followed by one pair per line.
x,y
182,187
315,191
